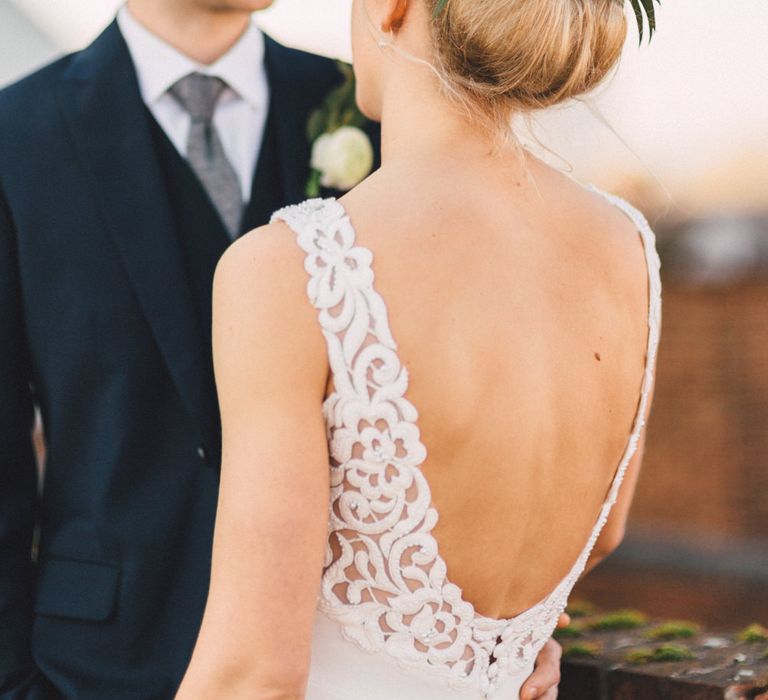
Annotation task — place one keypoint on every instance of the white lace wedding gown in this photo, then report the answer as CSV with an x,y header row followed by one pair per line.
x,y
390,624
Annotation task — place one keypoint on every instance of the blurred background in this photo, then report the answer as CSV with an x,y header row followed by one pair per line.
x,y
681,129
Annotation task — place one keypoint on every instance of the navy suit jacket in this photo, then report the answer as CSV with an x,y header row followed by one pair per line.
x,y
97,329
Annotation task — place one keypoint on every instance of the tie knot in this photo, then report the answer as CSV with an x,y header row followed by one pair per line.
x,y
198,95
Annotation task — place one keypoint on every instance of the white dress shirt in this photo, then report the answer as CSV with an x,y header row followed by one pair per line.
x,y
241,112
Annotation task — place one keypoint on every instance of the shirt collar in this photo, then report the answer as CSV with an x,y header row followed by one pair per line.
x,y
159,65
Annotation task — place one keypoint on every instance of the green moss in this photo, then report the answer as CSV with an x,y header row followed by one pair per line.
x,y
580,608
581,650
568,632
667,652
765,654
753,633
620,620
672,652
643,655
673,629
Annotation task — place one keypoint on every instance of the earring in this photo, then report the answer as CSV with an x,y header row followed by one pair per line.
x,y
383,41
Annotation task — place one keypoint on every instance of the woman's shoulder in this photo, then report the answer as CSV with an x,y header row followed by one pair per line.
x,y
618,228
268,248
390,211
261,276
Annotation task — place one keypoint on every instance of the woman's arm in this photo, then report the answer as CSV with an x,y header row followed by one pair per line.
x,y
614,529
612,533
271,525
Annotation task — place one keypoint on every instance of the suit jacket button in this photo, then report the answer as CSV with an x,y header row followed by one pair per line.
x,y
203,454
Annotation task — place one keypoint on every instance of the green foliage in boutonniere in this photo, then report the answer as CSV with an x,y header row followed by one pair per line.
x,y
342,154
641,8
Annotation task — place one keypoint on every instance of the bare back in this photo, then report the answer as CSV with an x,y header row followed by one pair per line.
x,y
487,391
521,314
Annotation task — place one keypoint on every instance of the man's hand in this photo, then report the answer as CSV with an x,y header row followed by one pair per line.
x,y
542,683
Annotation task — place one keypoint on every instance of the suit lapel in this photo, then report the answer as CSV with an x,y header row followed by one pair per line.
x,y
267,191
290,106
102,106
283,165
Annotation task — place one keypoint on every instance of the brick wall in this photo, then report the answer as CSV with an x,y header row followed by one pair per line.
x,y
706,466
703,492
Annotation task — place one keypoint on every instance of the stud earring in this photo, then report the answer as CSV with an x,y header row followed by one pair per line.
x,y
384,40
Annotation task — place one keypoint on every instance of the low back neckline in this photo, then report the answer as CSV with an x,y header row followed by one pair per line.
x,y
382,521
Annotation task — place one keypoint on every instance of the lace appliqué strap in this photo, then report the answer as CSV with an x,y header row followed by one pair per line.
x,y
384,581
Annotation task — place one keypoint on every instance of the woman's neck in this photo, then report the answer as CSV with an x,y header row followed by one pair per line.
x,y
202,34
419,123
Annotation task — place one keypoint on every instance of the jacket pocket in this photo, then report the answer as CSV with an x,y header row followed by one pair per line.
x,y
83,590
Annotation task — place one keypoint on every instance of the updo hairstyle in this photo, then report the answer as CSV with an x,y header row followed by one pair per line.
x,y
502,57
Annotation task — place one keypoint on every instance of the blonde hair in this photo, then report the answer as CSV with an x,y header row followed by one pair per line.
x,y
504,57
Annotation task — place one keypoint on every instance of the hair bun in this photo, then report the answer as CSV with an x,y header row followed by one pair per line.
x,y
505,56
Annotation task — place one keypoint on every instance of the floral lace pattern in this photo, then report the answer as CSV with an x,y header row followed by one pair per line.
x,y
384,581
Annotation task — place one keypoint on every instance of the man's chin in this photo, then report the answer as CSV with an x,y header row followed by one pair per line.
x,y
237,5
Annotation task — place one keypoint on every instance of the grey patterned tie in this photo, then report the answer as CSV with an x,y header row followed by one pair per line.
x,y
198,95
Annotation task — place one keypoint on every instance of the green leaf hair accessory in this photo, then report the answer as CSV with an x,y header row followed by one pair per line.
x,y
645,6
342,154
641,8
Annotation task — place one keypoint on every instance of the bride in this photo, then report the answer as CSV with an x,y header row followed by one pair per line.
x,y
421,462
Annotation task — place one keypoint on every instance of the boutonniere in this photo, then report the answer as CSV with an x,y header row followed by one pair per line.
x,y
342,153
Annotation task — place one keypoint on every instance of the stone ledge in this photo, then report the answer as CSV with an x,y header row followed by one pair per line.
x,y
613,656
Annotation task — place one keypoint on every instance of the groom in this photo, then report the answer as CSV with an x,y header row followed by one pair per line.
x,y
125,171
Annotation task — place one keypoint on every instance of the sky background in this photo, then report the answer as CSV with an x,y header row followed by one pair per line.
x,y
692,106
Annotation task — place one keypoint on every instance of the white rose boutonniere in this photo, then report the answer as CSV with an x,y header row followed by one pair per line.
x,y
342,153
343,157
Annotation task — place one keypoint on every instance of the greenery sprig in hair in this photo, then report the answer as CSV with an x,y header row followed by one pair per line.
x,y
642,8
645,6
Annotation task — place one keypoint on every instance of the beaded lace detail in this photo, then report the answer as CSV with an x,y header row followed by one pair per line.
x,y
384,581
